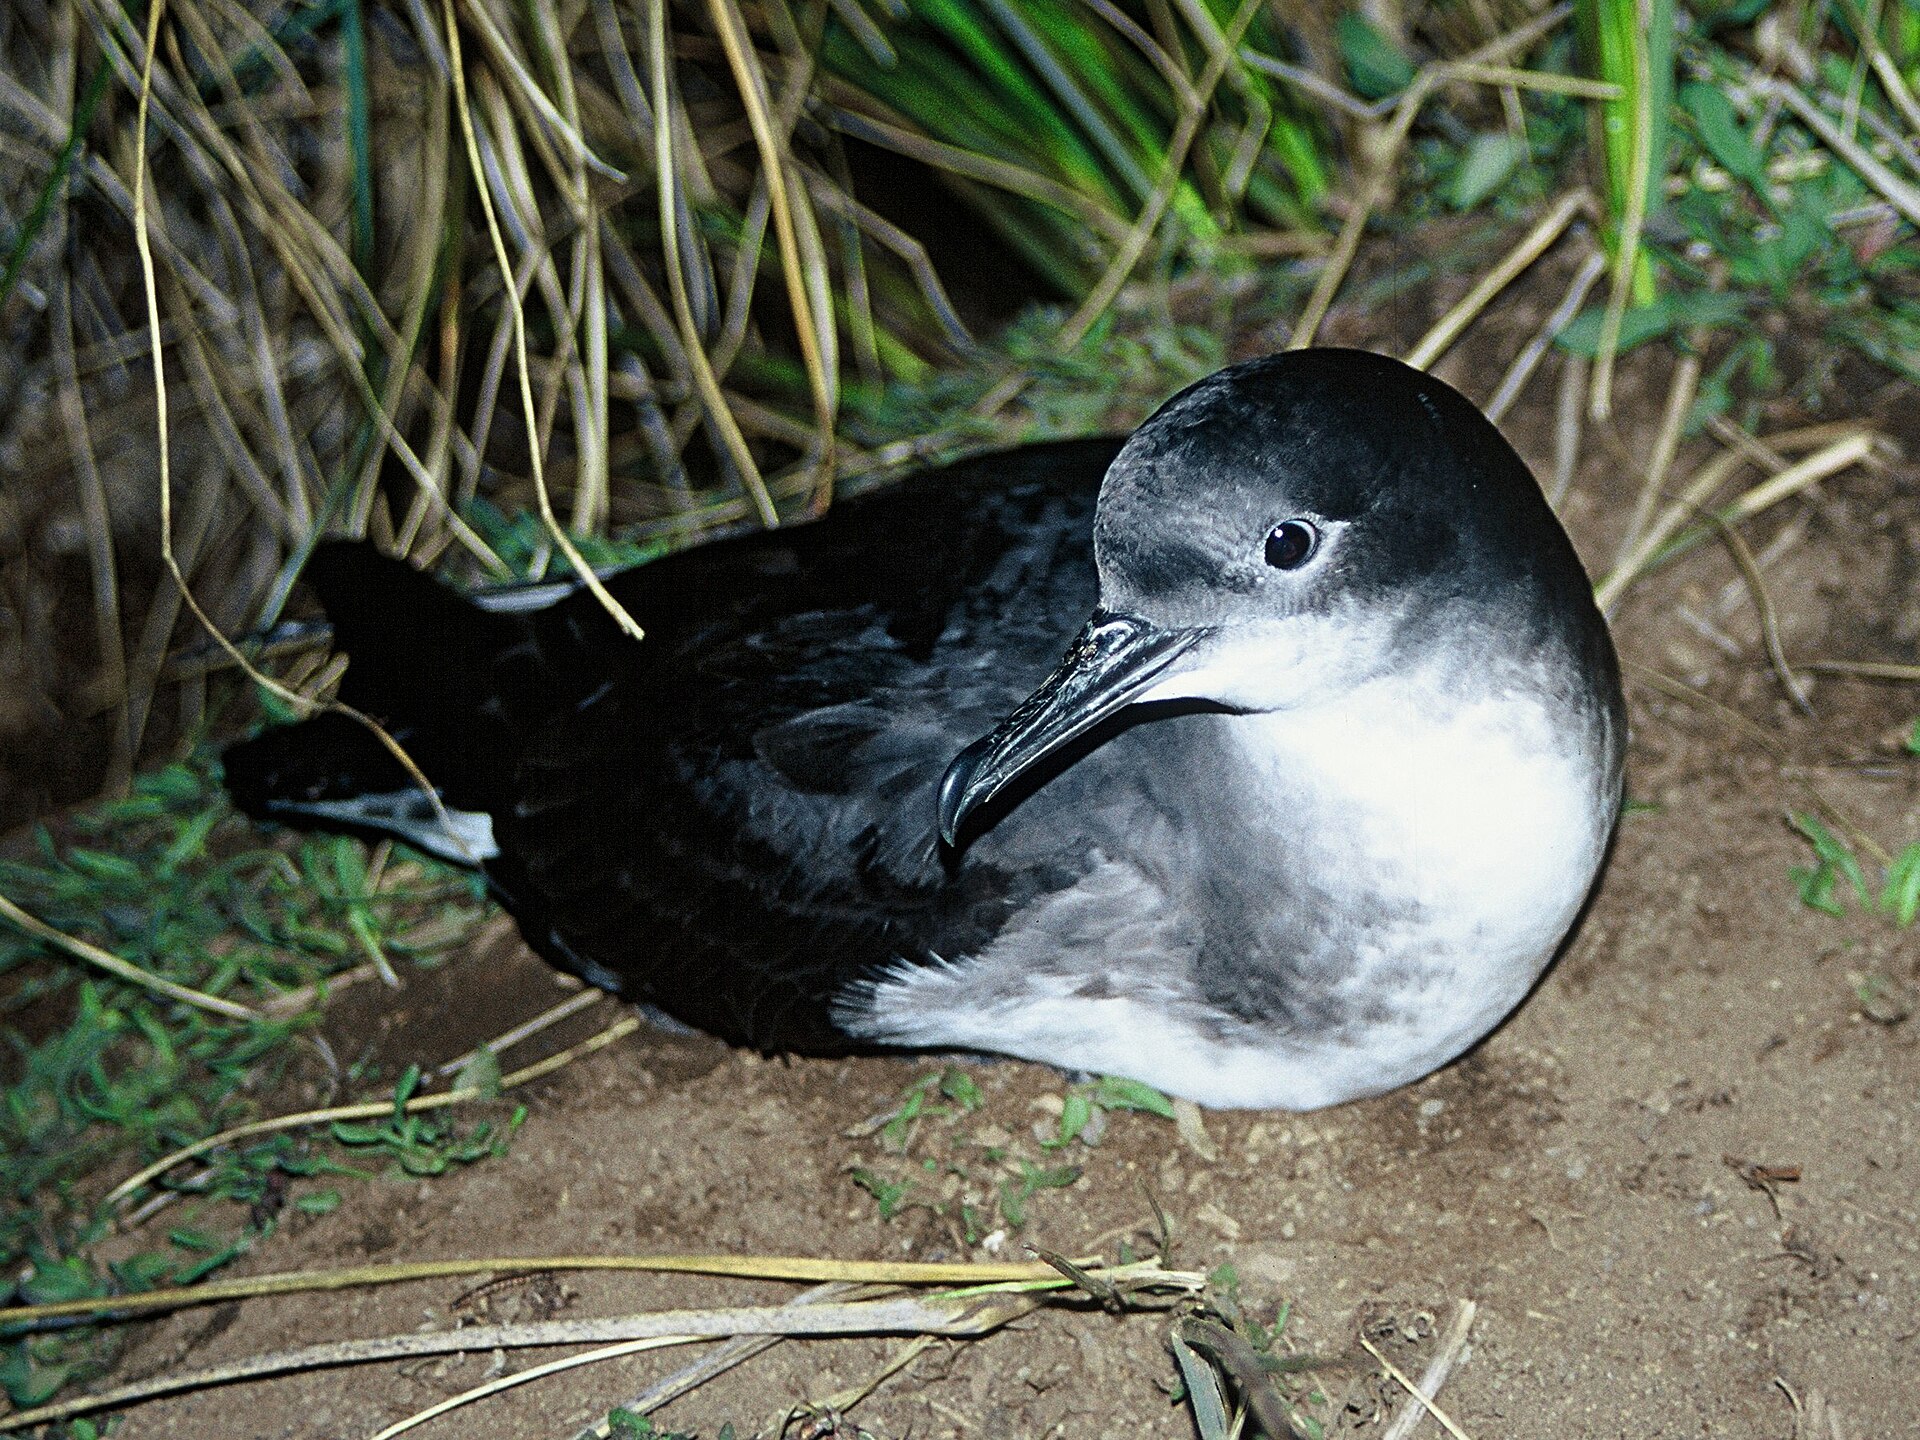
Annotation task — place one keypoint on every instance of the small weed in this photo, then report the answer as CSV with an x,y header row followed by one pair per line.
x,y
1015,1193
890,1195
1836,871
974,1181
625,1425
425,1144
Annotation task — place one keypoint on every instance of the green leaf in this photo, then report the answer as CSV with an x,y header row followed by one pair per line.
x,y
481,1073
1490,158
1015,1194
321,1202
891,1195
1118,1093
1815,889
1075,1113
144,1270
958,1087
1724,136
55,1278
27,1381
1203,1390
404,1091
1901,897
899,1130
1582,336
111,868
1675,311
1376,66
1836,862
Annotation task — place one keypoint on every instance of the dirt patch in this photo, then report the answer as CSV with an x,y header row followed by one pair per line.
x,y
1606,1176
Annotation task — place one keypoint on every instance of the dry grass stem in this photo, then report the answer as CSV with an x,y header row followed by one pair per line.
x,y
1567,428
1186,131
1531,246
1661,542
1869,669
987,169
1547,82
583,999
1767,744
1373,193
813,321
151,654
122,969
801,1268
845,1399
1535,350
537,1372
1769,618
961,1315
1898,193
1425,1400
535,457
666,151
1666,443
1386,152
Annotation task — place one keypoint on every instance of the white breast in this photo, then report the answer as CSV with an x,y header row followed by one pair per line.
x,y
1472,825
1480,811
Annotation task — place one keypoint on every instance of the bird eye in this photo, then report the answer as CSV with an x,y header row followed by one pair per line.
x,y
1291,544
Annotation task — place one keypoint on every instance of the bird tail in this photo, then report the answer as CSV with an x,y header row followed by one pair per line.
x,y
456,685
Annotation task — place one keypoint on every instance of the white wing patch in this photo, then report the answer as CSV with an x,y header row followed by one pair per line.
x,y
465,839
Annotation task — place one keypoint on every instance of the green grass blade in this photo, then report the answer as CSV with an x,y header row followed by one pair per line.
x,y
56,180
359,110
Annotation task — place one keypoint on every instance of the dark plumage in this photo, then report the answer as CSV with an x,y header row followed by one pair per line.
x,y
1182,859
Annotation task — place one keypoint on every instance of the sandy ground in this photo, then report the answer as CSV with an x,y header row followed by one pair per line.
x,y
1593,1176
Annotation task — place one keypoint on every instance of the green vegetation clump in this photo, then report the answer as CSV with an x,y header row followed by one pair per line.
x,y
103,1075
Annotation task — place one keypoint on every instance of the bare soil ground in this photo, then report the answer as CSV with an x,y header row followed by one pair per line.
x,y
1592,1176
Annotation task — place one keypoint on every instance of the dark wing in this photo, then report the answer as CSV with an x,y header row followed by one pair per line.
x,y
741,822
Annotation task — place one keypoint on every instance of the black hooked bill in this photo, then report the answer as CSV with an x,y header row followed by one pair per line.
x,y
1111,661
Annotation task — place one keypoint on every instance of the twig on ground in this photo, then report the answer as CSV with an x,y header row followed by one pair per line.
x,y
964,1314
714,1363
750,1267
1425,1399
582,999
1452,1346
